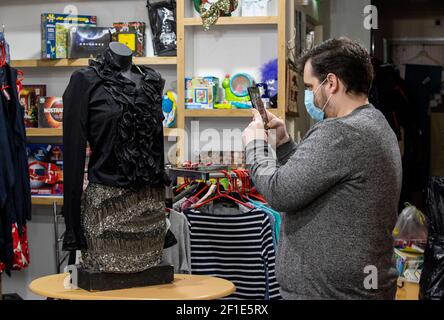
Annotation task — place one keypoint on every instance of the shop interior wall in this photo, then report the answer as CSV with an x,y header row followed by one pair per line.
x,y
407,19
22,26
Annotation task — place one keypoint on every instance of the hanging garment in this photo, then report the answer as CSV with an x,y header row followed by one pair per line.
x,y
15,195
179,255
274,215
123,125
423,81
238,248
390,95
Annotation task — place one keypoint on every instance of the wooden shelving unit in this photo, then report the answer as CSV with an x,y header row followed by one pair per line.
x,y
43,132
37,63
46,200
183,23
272,20
178,134
48,132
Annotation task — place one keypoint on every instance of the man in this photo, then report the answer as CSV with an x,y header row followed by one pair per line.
x,y
338,188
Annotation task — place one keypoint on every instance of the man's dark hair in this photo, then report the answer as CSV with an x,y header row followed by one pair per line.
x,y
345,58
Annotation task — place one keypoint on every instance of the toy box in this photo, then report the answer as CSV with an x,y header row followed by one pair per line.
x,y
409,265
132,34
45,164
50,112
54,31
87,42
30,99
201,92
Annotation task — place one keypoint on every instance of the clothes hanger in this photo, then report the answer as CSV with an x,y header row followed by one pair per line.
x,y
225,195
423,53
210,192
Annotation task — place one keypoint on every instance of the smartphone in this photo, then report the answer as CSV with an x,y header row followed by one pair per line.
x,y
258,104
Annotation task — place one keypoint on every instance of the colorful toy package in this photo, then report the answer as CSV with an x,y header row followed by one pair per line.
x,y
201,92
45,163
54,30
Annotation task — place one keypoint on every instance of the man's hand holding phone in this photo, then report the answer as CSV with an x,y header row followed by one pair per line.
x,y
275,135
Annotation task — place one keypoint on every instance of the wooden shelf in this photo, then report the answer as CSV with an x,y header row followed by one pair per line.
x,y
171,132
240,113
46,201
48,132
37,63
270,20
44,132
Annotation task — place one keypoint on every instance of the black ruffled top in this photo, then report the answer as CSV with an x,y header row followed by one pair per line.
x,y
122,123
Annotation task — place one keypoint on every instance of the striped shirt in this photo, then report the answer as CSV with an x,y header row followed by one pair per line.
x,y
238,248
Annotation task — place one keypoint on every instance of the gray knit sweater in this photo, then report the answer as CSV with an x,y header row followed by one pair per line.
x,y
338,190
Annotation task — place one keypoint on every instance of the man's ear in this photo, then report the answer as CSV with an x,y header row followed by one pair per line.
x,y
333,83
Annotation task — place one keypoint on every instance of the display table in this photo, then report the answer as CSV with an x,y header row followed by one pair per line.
x,y
184,287
407,290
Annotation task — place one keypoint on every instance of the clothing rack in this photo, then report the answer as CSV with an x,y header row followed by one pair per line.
x,y
214,173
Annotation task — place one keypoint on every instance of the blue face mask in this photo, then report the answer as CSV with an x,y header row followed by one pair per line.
x,y
314,112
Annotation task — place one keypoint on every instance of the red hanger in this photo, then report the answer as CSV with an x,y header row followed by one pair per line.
x,y
220,194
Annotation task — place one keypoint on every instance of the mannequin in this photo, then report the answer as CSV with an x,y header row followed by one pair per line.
x,y
123,57
118,221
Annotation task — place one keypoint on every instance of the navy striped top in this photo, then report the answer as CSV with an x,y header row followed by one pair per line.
x,y
238,248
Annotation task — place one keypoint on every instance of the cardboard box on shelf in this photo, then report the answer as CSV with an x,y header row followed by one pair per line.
x,y
51,112
132,34
54,31
45,163
30,99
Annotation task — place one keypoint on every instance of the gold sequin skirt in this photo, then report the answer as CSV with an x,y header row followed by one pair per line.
x,y
124,229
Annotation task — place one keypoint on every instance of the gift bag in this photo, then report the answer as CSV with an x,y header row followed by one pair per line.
x,y
162,15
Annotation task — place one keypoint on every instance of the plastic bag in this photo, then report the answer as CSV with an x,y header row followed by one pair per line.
x,y
162,16
410,232
432,278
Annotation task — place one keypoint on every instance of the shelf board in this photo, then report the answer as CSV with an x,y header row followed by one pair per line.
x,y
48,132
37,63
46,200
44,132
240,113
171,132
269,20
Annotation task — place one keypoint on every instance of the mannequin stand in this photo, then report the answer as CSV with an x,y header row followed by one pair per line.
x,y
99,281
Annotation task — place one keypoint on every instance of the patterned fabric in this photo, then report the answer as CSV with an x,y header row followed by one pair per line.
x,y
20,257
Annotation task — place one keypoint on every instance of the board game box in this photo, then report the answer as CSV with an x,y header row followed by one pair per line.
x,y
50,112
87,42
45,165
54,32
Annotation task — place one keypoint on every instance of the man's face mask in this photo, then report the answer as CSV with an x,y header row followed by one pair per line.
x,y
316,113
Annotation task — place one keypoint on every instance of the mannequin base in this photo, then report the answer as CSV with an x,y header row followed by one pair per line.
x,y
97,281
